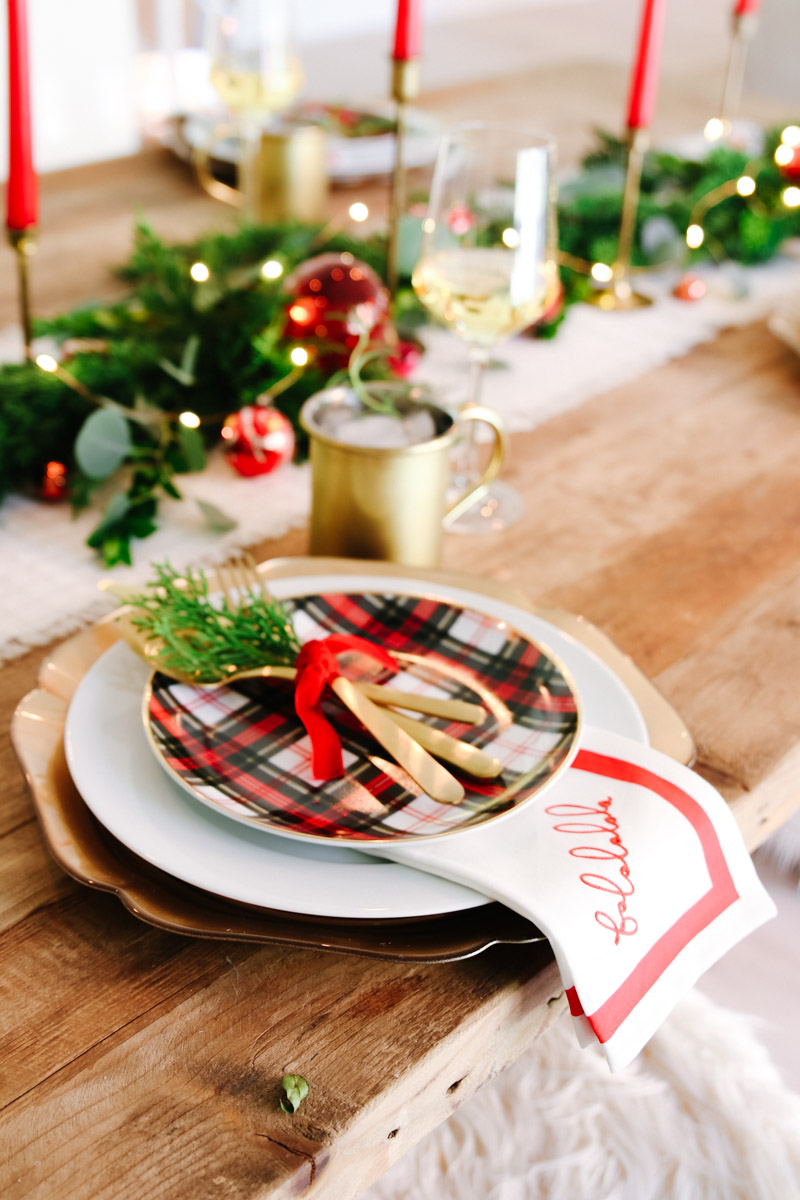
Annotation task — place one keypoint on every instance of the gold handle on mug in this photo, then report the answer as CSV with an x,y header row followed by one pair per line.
x,y
201,157
496,460
282,173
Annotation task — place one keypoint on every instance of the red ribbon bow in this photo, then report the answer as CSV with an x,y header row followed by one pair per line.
x,y
317,666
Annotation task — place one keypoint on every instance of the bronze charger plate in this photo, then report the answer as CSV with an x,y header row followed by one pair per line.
x,y
87,852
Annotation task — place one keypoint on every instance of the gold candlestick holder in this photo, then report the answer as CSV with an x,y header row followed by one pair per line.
x,y
405,87
23,242
744,28
619,296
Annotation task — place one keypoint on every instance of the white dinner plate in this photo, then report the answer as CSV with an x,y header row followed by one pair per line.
x,y
124,786
348,159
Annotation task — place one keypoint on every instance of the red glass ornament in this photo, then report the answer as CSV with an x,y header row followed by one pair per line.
x,y
335,297
257,439
689,288
405,359
791,170
55,485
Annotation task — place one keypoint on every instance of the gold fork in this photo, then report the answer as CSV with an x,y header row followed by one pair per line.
x,y
242,574
407,741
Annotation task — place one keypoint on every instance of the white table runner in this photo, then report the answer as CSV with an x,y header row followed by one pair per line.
x,y
55,574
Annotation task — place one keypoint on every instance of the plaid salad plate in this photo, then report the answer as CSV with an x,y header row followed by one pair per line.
x,y
242,750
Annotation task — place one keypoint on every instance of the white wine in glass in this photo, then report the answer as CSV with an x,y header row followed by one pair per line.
x,y
256,76
488,266
253,68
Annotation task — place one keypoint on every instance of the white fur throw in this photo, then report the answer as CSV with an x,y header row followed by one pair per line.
x,y
701,1115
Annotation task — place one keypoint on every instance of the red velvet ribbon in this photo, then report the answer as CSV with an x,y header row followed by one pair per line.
x,y
317,666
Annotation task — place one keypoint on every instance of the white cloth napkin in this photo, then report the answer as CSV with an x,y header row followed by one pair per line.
x,y
634,868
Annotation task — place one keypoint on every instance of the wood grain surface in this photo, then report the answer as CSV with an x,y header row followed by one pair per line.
x,y
139,1065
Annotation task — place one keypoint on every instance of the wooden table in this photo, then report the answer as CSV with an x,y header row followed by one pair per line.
x,y
139,1064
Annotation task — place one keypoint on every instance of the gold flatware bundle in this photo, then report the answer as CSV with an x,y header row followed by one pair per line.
x,y
410,742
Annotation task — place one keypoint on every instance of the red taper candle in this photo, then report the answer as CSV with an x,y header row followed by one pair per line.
x,y
644,81
743,8
407,30
21,192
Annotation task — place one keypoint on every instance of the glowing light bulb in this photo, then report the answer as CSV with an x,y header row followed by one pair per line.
x,y
358,211
745,185
47,362
784,155
695,236
199,272
189,419
428,225
714,129
791,197
272,269
510,238
299,356
791,136
602,272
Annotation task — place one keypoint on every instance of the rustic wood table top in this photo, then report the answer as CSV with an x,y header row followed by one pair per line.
x,y
141,1064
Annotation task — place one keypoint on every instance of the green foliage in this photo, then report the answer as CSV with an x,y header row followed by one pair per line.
x,y
175,344
209,642
172,345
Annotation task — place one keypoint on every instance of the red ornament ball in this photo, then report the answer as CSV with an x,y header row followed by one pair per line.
x,y
55,483
257,439
334,298
791,169
689,288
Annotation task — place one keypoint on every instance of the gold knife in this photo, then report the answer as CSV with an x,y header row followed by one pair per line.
x,y
431,776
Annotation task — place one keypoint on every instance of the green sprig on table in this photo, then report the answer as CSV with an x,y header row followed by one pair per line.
x,y
207,641
175,344
295,1090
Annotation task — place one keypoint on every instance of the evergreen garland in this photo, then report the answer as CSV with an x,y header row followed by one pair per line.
x,y
174,344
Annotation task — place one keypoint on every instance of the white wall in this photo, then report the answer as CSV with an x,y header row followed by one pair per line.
x,y
81,59
323,20
86,75
89,72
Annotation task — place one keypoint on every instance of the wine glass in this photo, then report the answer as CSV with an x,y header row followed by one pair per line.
x,y
254,72
487,267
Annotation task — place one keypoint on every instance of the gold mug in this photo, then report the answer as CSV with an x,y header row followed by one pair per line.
x,y
388,502
282,173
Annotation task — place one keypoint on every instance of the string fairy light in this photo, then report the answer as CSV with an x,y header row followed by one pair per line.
x,y
602,272
358,211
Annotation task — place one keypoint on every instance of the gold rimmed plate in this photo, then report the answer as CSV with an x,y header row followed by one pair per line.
x,y
163,896
241,750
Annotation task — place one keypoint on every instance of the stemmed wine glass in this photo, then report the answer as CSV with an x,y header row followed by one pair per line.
x,y
254,71
487,267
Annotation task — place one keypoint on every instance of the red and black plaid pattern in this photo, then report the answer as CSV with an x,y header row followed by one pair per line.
x,y
243,749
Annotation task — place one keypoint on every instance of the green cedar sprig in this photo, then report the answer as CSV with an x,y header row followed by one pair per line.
x,y
209,640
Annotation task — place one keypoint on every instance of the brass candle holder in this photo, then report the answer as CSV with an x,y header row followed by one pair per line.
x,y
405,87
619,296
23,242
744,28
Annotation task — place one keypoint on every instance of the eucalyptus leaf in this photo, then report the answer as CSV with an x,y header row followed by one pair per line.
x,y
103,443
189,356
192,447
117,507
217,520
177,373
296,1089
